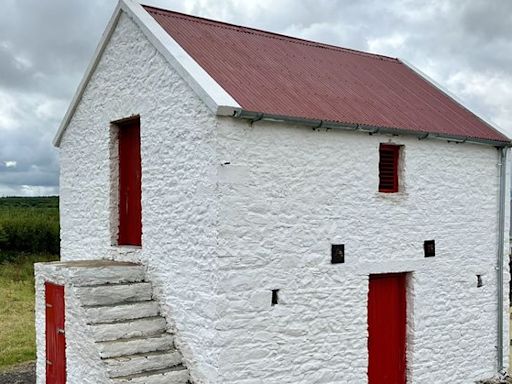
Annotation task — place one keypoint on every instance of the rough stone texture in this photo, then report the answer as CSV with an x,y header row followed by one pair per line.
x,y
129,365
170,376
289,192
137,345
125,311
179,240
218,237
126,329
110,294
83,363
98,351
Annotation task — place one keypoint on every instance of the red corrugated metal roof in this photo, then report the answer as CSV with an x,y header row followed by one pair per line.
x,y
280,75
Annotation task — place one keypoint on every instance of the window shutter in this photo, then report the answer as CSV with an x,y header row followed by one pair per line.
x,y
388,168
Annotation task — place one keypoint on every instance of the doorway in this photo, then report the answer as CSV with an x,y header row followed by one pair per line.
x,y
130,207
387,320
55,334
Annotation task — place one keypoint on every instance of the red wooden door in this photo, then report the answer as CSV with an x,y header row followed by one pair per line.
x,y
55,337
387,310
130,216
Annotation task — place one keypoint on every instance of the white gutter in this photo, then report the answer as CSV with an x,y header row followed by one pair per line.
x,y
502,164
314,123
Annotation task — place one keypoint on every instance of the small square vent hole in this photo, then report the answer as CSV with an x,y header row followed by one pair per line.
x,y
429,247
337,253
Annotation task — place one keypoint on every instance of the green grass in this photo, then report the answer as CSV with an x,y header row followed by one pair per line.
x,y
17,333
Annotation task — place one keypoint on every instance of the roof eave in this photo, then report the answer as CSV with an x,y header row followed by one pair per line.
x,y
210,92
370,129
487,121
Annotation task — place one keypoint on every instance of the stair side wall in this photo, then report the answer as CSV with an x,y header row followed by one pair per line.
x,y
83,365
179,166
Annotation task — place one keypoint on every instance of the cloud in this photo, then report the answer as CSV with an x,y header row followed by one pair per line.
x,y
10,163
45,47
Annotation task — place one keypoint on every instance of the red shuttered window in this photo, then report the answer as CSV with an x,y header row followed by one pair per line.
x,y
388,168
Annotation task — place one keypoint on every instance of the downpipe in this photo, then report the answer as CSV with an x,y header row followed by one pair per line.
x,y
502,164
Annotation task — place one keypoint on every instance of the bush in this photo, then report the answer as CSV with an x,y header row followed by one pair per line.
x,y
29,229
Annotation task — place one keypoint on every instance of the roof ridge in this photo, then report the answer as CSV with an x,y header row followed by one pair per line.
x,y
268,34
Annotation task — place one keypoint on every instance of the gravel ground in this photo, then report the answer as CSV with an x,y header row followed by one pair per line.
x,y
507,380
20,374
26,374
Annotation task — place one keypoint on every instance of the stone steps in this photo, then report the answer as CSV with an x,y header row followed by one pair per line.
x,y
140,363
174,375
126,325
136,345
128,329
112,294
127,311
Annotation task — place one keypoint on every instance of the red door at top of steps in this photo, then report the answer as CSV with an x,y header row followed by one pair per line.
x,y
55,337
387,310
130,215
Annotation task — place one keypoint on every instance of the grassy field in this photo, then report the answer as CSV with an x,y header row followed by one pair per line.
x,y
29,232
17,335
28,225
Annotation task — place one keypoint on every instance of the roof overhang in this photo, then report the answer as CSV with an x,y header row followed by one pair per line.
x,y
441,88
212,94
220,102
370,129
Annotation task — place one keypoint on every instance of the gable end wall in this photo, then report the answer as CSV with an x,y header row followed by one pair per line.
x,y
178,186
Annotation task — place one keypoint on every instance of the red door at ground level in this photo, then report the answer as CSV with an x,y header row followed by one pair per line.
x,y
55,337
130,215
387,310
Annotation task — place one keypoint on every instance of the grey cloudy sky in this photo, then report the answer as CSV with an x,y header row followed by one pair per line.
x,y
45,46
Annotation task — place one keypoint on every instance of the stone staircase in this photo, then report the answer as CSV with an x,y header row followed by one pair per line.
x,y
131,336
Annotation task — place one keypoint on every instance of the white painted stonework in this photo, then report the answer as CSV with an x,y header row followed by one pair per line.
x,y
231,211
113,328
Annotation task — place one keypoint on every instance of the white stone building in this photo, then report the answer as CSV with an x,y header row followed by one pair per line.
x,y
244,207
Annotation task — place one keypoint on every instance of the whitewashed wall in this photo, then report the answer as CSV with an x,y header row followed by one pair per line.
x,y
217,238
177,132
289,192
83,365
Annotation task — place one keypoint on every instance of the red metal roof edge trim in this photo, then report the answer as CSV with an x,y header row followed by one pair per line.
x,y
262,32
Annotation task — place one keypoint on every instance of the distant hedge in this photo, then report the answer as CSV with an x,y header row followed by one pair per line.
x,y
28,228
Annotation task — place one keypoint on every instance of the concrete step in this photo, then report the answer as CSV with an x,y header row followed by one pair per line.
x,y
148,326
94,272
175,375
136,345
110,294
140,363
112,313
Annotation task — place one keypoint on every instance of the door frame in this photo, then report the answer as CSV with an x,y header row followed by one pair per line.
x,y
405,283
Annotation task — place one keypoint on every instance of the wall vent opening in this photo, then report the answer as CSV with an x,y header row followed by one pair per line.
x,y
337,253
429,247
275,297
388,168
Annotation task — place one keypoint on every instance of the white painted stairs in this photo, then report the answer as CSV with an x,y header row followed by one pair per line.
x,y
132,337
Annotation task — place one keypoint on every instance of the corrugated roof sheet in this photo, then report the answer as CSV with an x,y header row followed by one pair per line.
x,y
280,75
